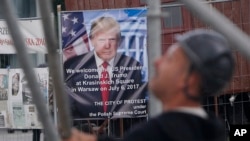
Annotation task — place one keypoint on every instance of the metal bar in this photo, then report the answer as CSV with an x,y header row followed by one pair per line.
x,y
177,4
55,66
222,24
154,48
216,106
25,62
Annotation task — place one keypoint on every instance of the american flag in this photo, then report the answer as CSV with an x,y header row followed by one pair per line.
x,y
74,35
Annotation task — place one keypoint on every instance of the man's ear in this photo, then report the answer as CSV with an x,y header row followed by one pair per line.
x,y
192,83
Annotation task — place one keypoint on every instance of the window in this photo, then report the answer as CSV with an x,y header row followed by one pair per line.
x,y
174,19
162,1
25,8
11,60
4,60
143,1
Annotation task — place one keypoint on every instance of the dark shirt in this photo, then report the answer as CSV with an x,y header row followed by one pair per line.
x,y
176,126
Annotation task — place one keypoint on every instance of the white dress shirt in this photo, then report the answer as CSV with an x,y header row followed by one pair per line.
x,y
99,62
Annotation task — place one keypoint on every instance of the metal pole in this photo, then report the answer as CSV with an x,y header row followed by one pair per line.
x,y
181,4
219,22
55,66
154,48
8,13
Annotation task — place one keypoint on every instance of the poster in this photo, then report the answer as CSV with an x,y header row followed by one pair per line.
x,y
3,98
105,62
3,85
18,115
21,107
3,119
32,31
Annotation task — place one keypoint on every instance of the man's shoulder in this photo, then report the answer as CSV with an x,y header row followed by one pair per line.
x,y
176,126
147,131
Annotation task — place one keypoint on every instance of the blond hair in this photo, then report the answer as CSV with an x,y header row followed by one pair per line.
x,y
104,24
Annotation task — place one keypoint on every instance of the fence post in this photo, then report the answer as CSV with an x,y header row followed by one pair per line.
x,y
154,48
56,69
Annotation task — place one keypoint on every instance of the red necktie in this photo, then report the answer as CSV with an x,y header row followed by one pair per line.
x,y
104,85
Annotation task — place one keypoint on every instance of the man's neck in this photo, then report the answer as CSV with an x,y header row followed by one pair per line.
x,y
193,108
179,102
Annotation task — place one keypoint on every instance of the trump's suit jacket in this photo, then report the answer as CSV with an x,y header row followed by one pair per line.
x,y
83,86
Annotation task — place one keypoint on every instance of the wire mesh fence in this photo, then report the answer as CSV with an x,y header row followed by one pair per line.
x,y
233,103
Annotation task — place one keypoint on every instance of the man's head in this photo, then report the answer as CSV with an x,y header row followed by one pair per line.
x,y
105,37
199,64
